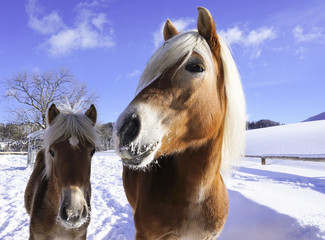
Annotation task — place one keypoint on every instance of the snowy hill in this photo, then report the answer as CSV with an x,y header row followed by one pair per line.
x,y
281,200
320,116
298,138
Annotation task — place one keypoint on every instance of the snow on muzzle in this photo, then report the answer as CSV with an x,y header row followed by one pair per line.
x,y
73,210
137,136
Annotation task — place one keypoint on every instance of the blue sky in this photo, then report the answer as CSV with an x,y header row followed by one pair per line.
x,y
279,47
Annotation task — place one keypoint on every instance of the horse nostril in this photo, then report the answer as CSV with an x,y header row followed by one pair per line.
x,y
63,213
70,215
130,129
84,212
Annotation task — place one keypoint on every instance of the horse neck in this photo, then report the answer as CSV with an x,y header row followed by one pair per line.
x,y
201,162
192,173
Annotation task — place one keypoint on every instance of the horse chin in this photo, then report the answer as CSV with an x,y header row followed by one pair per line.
x,y
141,162
137,155
73,225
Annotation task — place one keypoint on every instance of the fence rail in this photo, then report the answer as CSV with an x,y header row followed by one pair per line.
x,y
13,153
312,158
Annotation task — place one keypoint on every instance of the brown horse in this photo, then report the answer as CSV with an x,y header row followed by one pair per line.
x,y
185,125
57,196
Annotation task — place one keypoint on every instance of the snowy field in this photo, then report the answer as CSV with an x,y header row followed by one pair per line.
x,y
280,200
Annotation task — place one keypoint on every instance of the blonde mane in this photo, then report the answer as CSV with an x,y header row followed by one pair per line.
x,y
70,122
171,52
234,138
182,46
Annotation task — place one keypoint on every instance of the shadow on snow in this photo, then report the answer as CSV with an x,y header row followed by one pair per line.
x,y
248,220
315,183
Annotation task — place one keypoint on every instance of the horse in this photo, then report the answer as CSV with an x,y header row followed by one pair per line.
x,y
181,132
57,196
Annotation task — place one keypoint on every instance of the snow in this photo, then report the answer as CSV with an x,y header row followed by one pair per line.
x,y
111,216
289,190
298,138
280,200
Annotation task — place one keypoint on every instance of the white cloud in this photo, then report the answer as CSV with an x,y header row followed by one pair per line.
x,y
256,38
180,24
252,39
122,77
135,73
90,4
49,24
90,29
316,34
83,36
256,53
100,21
300,52
232,35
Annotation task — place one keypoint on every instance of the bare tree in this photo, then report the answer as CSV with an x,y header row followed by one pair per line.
x,y
34,92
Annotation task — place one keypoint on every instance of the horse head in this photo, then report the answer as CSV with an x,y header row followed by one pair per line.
x,y
184,96
70,145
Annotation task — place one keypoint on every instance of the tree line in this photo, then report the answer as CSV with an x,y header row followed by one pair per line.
x,y
261,124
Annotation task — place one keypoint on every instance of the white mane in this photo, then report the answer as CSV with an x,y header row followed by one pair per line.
x,y
234,138
69,123
182,46
174,49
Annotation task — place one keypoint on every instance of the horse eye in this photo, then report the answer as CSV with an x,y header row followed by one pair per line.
x,y
51,152
194,67
92,152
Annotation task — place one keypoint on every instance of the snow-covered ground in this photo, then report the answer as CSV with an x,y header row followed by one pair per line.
x,y
280,200
111,216
298,138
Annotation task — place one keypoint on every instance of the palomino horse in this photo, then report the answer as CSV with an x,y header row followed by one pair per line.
x,y
57,196
186,124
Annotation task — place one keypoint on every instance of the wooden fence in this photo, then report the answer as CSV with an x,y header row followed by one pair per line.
x,y
13,153
311,157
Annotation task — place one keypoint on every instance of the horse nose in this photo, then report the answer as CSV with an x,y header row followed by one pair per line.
x,y
130,129
73,211
73,215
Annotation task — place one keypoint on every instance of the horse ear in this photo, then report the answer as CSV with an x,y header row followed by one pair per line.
x,y
169,30
92,113
206,26
52,113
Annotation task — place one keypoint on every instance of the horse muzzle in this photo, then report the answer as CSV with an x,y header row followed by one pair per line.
x,y
73,211
137,135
